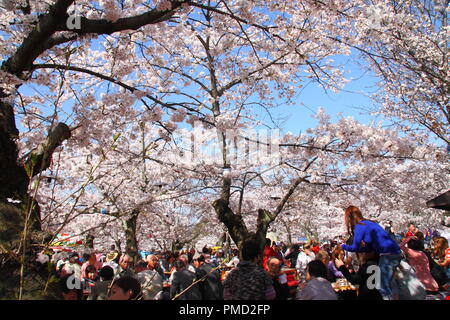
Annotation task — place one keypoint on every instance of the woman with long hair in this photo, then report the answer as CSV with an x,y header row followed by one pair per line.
x,y
369,236
337,253
441,254
441,251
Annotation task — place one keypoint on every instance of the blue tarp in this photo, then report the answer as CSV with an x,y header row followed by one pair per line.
x,y
144,253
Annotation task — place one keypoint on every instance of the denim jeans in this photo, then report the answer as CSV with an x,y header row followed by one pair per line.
x,y
387,264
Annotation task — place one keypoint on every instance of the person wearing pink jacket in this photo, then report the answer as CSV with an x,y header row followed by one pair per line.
x,y
92,260
419,261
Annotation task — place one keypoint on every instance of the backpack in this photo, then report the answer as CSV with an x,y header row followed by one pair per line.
x,y
406,284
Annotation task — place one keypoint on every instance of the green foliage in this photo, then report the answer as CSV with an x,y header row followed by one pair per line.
x,y
51,267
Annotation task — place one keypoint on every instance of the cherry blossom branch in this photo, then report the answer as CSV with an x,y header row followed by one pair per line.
x,y
119,83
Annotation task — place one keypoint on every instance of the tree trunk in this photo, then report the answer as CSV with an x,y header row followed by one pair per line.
x,y
265,218
223,239
237,228
288,230
131,245
16,174
235,224
89,242
13,179
177,245
118,244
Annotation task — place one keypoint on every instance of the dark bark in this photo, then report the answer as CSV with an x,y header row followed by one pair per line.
x,y
13,178
15,174
176,246
102,26
235,224
265,218
118,244
39,159
35,274
131,245
40,39
40,281
223,239
288,230
89,241
34,44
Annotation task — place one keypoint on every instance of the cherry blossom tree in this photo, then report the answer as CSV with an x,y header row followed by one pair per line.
x,y
38,31
328,168
405,44
125,179
70,61
85,72
388,176
61,53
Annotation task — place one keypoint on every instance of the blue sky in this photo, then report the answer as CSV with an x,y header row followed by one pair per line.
x,y
353,101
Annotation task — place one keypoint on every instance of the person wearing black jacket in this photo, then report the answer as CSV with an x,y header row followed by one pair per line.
x,y
360,278
293,254
182,280
211,288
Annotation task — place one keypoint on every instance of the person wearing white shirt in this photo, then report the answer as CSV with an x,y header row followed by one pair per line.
x,y
234,261
304,257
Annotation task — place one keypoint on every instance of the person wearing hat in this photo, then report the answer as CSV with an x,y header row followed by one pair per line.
x,y
111,261
72,266
218,258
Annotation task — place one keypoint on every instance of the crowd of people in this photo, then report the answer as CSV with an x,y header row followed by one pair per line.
x,y
257,273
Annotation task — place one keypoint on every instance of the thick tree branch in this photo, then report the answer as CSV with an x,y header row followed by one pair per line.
x,y
33,45
119,83
102,26
234,223
40,39
39,159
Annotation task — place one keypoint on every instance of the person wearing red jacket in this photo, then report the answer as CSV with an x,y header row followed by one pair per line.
x,y
315,247
411,231
267,253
